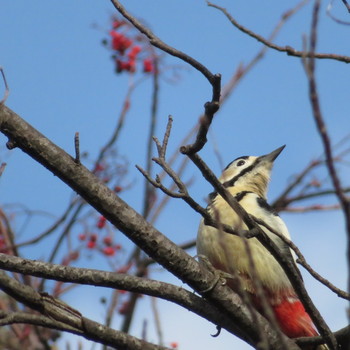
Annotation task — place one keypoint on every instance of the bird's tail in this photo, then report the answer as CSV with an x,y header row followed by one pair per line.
x,y
294,321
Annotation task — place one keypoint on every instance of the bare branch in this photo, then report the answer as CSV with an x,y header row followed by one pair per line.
x,y
77,148
114,280
346,5
302,261
342,336
155,41
329,13
309,65
182,189
315,207
7,90
59,311
35,319
282,201
157,321
2,168
290,51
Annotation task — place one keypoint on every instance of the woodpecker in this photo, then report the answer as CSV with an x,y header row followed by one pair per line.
x,y
247,179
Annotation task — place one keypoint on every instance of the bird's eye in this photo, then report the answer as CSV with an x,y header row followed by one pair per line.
x,y
240,163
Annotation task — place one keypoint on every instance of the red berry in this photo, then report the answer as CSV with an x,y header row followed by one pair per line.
x,y
148,65
120,42
174,345
121,66
99,167
124,308
101,223
117,189
74,255
107,240
131,66
109,251
116,24
93,237
91,244
82,236
134,52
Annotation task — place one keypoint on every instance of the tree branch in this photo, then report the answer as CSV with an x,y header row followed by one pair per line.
x,y
290,51
71,320
309,66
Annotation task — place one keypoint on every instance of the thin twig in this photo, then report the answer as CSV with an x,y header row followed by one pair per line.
x,y
157,321
302,197
321,126
77,148
149,192
290,51
244,69
148,199
315,207
329,13
2,168
155,41
182,189
302,261
282,200
7,90
346,5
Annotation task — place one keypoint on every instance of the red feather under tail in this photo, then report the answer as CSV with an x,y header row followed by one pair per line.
x,y
293,319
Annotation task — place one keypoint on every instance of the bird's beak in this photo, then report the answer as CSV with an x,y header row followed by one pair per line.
x,y
273,155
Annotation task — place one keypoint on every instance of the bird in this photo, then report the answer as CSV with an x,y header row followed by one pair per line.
x,y
247,178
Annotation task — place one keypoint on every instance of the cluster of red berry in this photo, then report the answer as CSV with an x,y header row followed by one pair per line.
x,y
128,48
106,246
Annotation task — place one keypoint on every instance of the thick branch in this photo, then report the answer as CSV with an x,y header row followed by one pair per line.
x,y
70,319
114,280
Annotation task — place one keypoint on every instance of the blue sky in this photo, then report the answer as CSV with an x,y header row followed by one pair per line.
x,y
62,80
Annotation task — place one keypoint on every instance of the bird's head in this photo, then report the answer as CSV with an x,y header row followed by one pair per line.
x,y
250,173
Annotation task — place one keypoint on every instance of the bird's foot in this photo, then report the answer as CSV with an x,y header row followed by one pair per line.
x,y
219,276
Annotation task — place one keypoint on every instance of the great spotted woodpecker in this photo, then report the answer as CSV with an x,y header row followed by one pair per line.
x,y
247,178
